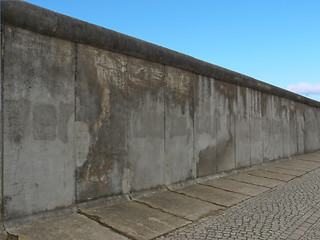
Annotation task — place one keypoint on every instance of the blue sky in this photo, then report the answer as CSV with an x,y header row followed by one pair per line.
x,y
277,42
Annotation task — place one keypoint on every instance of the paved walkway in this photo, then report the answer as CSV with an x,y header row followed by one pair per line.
x,y
278,200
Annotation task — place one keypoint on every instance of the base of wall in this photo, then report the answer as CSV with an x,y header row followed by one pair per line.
x,y
124,197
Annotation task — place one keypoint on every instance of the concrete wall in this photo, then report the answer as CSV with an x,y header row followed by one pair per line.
x,y
90,113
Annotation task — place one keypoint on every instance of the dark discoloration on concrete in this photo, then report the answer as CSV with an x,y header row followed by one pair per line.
x,y
207,161
256,128
66,110
146,125
178,125
242,127
267,122
18,113
46,22
44,122
226,99
38,86
101,105
205,126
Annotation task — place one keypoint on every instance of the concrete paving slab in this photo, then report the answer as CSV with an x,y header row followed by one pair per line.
x,y
311,159
296,166
70,227
136,219
279,169
272,175
3,235
317,154
261,181
213,195
180,205
235,186
314,164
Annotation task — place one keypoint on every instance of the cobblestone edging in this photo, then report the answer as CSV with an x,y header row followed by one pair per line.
x,y
285,212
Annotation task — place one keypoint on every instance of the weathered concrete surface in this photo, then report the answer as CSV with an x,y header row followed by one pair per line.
x,y
213,195
143,220
267,133
179,204
300,117
283,169
272,175
309,158
101,122
146,124
119,115
226,143
235,186
70,227
3,235
38,123
136,219
205,127
297,166
242,127
256,129
179,111
261,181
311,164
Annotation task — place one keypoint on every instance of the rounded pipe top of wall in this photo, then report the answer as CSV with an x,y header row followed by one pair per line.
x,y
40,20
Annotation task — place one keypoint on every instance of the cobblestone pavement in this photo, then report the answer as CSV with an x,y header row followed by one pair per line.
x,y
289,211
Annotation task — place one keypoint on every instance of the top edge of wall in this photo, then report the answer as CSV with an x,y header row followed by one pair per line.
x,y
40,20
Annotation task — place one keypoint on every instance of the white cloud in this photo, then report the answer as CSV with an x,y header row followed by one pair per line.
x,y
305,88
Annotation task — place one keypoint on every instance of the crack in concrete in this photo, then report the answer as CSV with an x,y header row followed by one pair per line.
x,y
97,219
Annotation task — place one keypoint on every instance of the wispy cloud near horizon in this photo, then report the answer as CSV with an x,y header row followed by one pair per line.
x,y
305,88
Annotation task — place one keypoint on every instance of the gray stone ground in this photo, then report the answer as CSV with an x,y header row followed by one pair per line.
x,y
275,214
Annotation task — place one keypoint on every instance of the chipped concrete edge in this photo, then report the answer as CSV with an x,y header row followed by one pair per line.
x,y
40,20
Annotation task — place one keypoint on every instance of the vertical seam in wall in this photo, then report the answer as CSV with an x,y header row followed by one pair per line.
x,y
75,119
2,123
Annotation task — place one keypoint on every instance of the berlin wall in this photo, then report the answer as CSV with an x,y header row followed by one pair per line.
x,y
90,113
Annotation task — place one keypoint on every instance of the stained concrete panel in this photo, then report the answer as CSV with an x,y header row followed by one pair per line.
x,y
300,118
145,124
179,157
235,186
256,129
179,204
226,142
242,127
213,195
293,129
70,227
38,111
101,122
267,122
205,127
311,142
261,181
136,219
285,126
277,128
